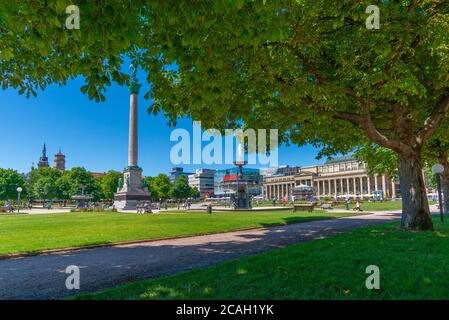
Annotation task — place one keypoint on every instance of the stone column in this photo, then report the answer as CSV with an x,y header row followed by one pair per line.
x,y
368,180
334,182
375,183
384,185
361,186
347,185
133,140
393,189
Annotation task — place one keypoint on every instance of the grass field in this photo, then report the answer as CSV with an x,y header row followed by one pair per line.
x,y
412,266
376,206
379,206
30,233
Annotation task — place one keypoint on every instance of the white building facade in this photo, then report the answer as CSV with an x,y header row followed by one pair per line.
x,y
336,178
203,180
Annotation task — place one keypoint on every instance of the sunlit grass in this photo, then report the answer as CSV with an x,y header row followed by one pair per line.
x,y
30,233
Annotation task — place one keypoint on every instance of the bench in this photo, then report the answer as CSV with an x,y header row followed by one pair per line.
x,y
303,207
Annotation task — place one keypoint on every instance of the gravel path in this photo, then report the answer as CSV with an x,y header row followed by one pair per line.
x,y
43,277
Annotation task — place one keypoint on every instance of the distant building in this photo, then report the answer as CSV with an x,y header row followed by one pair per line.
x,y
97,174
203,180
178,172
279,171
43,160
59,162
232,174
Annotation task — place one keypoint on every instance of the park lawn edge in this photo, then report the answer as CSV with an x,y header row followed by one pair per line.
x,y
23,254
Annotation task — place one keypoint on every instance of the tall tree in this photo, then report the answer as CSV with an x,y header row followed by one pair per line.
x,y
160,186
180,188
42,183
108,184
10,180
195,193
81,181
312,69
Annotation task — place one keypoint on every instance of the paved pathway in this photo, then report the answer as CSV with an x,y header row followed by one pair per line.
x,y
43,277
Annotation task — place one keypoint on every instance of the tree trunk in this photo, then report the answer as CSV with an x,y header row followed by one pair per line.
x,y
415,207
445,187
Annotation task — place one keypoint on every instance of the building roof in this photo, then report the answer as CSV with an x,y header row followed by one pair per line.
x,y
340,159
97,174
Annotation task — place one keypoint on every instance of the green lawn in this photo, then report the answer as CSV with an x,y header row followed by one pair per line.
x,y
379,206
30,233
376,206
412,266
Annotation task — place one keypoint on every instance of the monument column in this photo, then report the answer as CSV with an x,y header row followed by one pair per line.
x,y
132,189
133,138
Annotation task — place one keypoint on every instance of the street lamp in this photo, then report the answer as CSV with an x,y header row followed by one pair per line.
x,y
437,170
19,190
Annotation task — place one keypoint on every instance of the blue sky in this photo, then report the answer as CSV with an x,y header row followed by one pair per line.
x,y
94,135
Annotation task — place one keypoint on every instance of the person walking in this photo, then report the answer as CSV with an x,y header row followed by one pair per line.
x,y
347,202
358,206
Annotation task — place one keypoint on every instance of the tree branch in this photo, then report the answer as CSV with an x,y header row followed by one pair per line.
x,y
432,122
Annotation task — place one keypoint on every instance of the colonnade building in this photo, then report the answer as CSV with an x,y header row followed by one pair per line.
x,y
336,178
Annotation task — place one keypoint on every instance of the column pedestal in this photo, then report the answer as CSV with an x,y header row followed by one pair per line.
x,y
132,191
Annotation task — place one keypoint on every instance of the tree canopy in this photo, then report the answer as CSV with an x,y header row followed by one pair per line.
x,y
180,188
108,184
10,180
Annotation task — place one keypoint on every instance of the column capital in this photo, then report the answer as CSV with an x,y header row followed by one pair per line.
x,y
134,86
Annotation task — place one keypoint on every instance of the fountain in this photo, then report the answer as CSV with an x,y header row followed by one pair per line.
x,y
239,185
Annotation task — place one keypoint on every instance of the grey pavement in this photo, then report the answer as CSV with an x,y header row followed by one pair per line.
x,y
43,277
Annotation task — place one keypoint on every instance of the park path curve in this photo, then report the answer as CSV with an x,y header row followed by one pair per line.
x,y
43,277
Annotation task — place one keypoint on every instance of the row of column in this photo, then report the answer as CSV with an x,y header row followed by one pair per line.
x,y
332,187
278,191
358,185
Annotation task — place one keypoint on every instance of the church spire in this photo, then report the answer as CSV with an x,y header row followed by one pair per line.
x,y
43,161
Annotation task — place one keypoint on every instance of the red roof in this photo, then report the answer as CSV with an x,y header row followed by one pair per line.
x,y
97,174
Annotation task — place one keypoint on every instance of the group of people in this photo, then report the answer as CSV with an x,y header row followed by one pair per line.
x,y
186,204
10,207
144,207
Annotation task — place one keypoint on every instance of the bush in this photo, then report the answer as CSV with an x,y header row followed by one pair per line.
x,y
92,210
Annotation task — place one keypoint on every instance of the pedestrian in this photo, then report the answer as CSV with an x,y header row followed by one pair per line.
x,y
358,206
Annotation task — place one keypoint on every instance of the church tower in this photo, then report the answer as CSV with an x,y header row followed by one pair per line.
x,y
60,161
43,161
